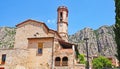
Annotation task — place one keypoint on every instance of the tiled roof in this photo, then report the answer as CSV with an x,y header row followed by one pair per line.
x,y
62,42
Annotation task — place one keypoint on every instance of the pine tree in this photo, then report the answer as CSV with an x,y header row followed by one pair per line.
x,y
117,28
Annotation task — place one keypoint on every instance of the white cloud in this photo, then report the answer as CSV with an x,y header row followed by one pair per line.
x,y
48,21
51,21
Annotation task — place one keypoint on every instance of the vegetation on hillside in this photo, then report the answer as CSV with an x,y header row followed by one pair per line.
x,y
7,37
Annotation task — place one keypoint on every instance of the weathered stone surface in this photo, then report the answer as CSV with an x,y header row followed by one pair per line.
x,y
101,41
15,57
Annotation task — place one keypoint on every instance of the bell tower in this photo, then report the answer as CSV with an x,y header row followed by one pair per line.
x,y
62,22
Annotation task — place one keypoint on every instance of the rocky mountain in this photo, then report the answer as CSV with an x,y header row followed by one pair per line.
x,y
7,37
101,41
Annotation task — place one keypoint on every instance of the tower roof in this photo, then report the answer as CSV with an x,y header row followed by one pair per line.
x,y
63,8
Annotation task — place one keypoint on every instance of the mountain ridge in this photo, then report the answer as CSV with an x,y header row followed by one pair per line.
x,y
101,41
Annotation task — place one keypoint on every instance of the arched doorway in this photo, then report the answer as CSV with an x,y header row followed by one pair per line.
x,y
65,61
57,61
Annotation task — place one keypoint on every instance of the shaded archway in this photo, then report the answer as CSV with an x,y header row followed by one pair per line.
x,y
65,61
57,61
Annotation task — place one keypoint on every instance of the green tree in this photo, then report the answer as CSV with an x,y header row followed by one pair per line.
x,y
81,58
117,28
101,62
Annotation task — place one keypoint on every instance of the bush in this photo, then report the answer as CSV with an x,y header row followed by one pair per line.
x,y
81,58
101,63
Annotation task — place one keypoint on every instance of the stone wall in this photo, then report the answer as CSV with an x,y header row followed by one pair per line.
x,y
44,60
59,52
28,31
79,66
14,58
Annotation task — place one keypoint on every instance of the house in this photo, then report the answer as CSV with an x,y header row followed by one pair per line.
x,y
38,47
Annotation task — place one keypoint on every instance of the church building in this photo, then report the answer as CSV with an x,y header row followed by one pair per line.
x,y
39,47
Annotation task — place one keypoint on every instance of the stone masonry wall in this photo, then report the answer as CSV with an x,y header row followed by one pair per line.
x,y
28,31
43,61
14,58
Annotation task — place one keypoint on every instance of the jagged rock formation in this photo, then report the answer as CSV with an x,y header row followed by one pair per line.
x,y
101,41
7,37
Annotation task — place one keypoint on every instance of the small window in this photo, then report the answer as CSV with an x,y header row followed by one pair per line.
x,y
40,48
61,16
39,51
3,59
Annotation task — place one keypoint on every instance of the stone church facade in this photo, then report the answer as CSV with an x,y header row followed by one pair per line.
x,y
38,47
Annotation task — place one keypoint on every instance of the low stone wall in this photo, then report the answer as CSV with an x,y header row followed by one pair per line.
x,y
79,66
63,67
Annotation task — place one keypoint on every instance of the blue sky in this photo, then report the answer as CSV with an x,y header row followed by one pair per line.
x,y
82,13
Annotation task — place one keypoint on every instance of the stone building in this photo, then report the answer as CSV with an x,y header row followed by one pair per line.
x,y
38,47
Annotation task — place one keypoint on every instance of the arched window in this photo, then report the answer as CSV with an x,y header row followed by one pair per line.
x,y
64,61
57,61
61,16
